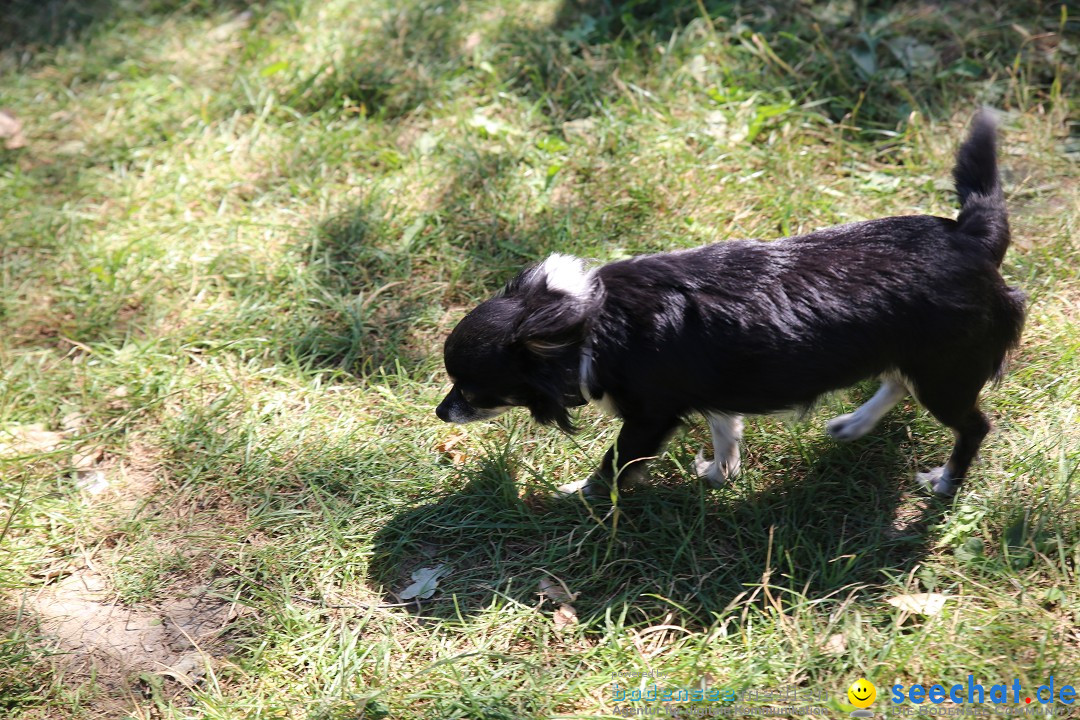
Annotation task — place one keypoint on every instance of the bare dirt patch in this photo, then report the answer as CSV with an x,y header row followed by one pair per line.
x,y
121,647
126,659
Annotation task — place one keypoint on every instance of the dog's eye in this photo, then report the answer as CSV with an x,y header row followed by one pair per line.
x,y
483,401
471,398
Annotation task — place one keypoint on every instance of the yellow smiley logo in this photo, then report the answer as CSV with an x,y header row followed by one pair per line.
x,y
862,693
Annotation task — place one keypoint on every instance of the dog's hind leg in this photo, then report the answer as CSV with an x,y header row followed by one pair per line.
x,y
970,431
953,401
726,433
854,425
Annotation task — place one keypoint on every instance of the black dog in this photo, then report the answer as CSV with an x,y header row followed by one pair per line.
x,y
750,327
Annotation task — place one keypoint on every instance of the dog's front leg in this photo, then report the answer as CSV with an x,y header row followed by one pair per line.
x,y
726,433
639,441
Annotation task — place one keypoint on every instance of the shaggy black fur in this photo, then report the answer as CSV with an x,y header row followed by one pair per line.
x,y
750,327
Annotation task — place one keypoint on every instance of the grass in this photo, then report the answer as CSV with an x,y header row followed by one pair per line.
x,y
237,235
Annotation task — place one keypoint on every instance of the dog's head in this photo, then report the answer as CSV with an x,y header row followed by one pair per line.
x,y
523,347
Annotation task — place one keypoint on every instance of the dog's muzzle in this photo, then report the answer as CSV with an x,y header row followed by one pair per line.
x,y
443,412
455,409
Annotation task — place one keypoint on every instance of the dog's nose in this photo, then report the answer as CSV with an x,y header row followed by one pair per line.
x,y
443,412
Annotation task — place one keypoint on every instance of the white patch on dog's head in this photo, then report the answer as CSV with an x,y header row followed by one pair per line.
x,y
565,274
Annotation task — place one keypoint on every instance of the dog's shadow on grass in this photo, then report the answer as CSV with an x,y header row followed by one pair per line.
x,y
848,518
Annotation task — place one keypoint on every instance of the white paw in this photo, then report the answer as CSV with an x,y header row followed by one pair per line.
x,y
590,487
848,427
716,474
572,488
937,481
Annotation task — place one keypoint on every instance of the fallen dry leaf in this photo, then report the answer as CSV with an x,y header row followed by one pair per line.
x,y
92,482
583,128
73,422
448,447
836,644
556,590
229,28
28,440
11,130
56,571
919,603
472,41
425,582
565,616
87,457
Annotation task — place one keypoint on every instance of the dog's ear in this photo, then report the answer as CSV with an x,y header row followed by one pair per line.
x,y
556,296
551,326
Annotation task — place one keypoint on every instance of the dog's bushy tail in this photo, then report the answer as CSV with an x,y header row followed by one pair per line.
x,y
982,204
